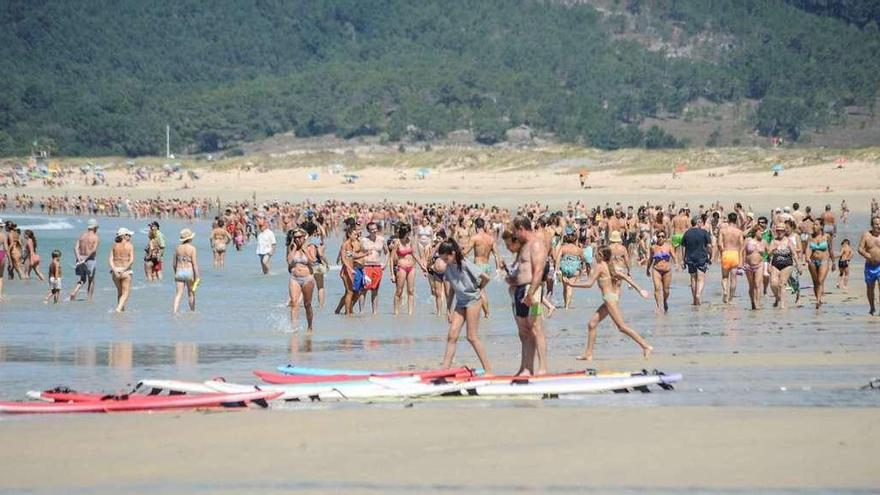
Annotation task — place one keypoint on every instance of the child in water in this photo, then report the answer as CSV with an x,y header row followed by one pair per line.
x,y
846,254
54,278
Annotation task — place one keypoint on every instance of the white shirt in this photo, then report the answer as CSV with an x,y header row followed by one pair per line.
x,y
265,242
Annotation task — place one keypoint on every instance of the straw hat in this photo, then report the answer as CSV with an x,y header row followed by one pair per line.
x,y
123,231
615,237
186,235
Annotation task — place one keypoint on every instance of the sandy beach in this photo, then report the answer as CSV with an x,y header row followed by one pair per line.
x,y
441,449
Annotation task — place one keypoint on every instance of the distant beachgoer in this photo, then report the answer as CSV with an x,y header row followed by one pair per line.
x,y
662,260
466,282
152,257
846,254
483,246
819,261
13,247
425,237
55,273
186,270
265,246
696,243
121,260
376,250
4,256
301,286
755,264
85,251
162,245
782,259
731,242
609,280
405,258
220,239
869,248
32,263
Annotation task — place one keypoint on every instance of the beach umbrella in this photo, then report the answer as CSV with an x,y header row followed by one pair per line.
x,y
680,169
313,176
777,168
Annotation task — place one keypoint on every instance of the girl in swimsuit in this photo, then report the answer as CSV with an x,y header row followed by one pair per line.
x,y
425,236
781,264
846,254
819,261
754,265
34,259
186,270
609,280
349,251
315,233
300,258
662,260
405,258
570,258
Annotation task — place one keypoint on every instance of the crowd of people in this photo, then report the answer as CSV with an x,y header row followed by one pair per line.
x,y
456,248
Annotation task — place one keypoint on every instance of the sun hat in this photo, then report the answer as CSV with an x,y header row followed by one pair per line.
x,y
615,237
123,231
92,224
186,235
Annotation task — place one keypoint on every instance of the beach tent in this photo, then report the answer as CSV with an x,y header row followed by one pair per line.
x,y
350,178
777,169
313,176
680,169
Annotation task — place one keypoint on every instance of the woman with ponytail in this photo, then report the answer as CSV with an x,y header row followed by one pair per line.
x,y
465,282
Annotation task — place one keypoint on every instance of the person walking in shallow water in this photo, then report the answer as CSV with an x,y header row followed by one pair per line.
x,y
121,260
609,279
186,270
85,250
869,248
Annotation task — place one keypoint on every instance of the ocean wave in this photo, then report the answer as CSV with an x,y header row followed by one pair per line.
x,y
56,225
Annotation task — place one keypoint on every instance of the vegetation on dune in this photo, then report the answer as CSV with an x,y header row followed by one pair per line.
x,y
104,77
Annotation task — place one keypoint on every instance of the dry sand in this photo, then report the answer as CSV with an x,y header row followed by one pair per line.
x,y
414,450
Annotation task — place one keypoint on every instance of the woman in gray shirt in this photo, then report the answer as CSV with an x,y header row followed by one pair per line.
x,y
465,281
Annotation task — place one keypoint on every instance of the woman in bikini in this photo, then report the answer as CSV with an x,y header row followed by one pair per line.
x,y
818,261
33,259
220,238
569,260
609,280
659,269
754,265
186,270
425,235
434,271
405,257
782,258
315,232
301,256
352,274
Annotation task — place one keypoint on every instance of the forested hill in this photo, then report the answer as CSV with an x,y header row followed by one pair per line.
x,y
102,77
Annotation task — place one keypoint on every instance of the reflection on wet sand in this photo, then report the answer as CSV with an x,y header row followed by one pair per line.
x,y
186,353
85,356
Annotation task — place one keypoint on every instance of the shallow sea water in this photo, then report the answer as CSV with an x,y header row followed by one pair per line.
x,y
242,324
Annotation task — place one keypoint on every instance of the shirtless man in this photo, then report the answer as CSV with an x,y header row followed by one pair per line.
x,y
528,280
121,260
483,246
220,238
680,224
829,228
805,230
376,250
869,248
84,252
731,243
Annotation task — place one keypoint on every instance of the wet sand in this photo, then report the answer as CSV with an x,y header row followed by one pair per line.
x,y
423,449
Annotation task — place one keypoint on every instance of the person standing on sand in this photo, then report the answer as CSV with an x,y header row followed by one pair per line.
x,y
121,260
818,261
696,243
731,242
465,282
265,245
869,248
84,251
528,279
186,270
846,254
609,279
783,255
483,245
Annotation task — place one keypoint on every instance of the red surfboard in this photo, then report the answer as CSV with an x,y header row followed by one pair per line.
x,y
140,403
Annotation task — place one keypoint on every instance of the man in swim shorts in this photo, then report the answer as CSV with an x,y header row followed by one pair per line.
x,y
376,250
679,226
731,242
869,248
483,245
697,244
528,279
85,250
